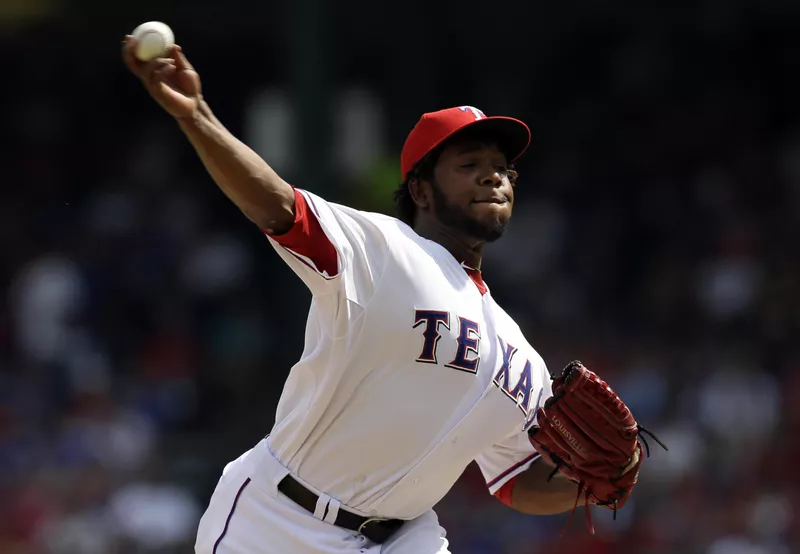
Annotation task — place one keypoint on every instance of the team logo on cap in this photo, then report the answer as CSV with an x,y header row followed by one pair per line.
x,y
475,111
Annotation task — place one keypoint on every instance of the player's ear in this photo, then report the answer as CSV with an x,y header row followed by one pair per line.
x,y
420,192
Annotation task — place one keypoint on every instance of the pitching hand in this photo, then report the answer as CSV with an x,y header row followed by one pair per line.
x,y
171,81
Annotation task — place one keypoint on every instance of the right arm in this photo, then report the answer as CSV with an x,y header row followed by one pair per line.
x,y
244,177
330,250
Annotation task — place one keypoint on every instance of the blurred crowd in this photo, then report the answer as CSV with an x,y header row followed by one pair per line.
x,y
146,327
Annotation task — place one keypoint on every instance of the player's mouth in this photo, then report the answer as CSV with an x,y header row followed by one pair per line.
x,y
499,200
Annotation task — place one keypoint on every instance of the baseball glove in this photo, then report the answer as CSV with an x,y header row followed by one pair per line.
x,y
591,437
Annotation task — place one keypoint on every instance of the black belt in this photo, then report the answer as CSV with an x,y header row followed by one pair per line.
x,y
375,529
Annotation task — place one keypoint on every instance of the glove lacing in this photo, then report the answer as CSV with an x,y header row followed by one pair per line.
x,y
584,490
641,432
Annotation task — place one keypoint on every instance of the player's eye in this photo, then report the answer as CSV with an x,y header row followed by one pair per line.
x,y
468,165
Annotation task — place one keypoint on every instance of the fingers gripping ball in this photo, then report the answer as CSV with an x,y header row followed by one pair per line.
x,y
591,436
153,40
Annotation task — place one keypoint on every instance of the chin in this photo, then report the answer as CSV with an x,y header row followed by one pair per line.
x,y
488,230
495,232
493,224
486,224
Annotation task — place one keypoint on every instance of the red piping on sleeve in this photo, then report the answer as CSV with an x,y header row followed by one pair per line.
x,y
503,494
307,238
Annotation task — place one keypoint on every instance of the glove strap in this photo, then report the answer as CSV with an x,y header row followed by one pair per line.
x,y
588,508
582,490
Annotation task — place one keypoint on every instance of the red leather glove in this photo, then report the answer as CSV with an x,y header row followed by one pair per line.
x,y
591,436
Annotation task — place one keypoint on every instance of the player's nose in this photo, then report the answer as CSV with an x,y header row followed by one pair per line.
x,y
491,179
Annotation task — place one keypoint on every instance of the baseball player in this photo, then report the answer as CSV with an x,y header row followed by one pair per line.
x,y
410,369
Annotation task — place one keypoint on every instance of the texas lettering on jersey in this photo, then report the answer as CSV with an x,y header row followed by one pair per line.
x,y
358,264
467,358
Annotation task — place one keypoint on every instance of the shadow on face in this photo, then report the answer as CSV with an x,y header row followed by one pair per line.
x,y
472,189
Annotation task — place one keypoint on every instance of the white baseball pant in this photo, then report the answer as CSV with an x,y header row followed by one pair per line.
x,y
248,515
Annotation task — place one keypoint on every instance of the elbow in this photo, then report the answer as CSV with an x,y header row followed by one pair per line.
x,y
536,502
273,222
544,504
274,215
534,492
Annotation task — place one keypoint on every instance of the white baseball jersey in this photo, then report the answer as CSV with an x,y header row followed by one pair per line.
x,y
410,369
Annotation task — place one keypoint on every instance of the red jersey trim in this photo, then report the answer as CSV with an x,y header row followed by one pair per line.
x,y
307,241
476,277
512,469
503,494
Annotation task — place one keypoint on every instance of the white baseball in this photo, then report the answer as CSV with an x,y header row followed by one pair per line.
x,y
153,40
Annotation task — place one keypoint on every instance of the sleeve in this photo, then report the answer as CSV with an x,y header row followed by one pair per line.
x,y
506,460
501,463
307,241
331,248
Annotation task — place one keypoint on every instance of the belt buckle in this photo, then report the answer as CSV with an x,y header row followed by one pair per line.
x,y
368,521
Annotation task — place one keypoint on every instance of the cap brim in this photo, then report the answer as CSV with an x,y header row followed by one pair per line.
x,y
512,135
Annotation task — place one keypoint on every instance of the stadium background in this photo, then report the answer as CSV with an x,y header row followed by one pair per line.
x,y
146,327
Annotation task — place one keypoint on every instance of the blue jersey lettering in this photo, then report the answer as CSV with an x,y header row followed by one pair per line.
x,y
469,336
431,336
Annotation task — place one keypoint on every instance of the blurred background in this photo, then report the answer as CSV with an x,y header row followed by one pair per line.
x,y
146,327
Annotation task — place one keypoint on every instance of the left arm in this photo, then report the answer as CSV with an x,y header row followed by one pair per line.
x,y
533,494
517,476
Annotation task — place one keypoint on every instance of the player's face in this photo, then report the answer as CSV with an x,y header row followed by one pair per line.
x,y
471,190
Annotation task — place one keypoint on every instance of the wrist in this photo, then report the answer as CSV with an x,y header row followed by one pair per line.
x,y
199,117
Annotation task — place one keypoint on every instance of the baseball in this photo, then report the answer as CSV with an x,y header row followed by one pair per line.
x,y
153,40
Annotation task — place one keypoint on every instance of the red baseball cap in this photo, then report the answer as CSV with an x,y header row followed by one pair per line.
x,y
435,127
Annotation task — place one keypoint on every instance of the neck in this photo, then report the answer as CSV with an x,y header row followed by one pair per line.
x,y
464,249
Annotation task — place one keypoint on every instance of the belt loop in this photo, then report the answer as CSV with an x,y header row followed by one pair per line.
x,y
333,511
322,505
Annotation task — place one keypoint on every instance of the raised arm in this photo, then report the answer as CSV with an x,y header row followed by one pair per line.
x,y
244,177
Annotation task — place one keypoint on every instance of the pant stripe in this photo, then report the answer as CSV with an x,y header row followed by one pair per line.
x,y
230,515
